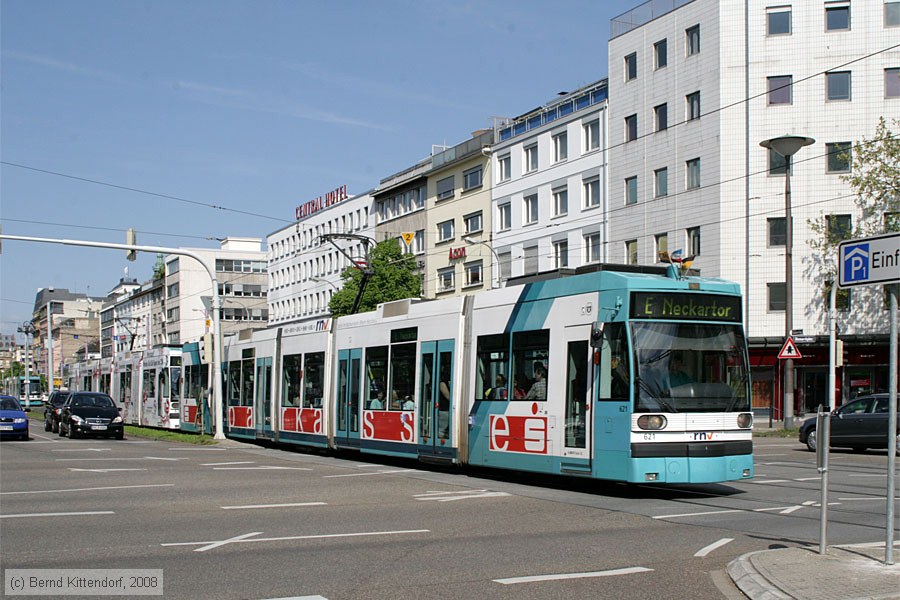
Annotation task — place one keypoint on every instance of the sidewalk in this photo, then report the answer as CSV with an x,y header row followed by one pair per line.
x,y
842,573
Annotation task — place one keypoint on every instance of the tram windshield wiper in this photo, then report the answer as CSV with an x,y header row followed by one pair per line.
x,y
645,388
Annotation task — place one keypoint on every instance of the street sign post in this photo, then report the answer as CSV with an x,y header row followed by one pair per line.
x,y
872,261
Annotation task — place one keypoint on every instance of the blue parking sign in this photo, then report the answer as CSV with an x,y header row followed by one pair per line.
x,y
856,262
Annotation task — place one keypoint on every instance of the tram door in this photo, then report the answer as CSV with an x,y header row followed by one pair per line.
x,y
436,389
579,378
348,396
262,402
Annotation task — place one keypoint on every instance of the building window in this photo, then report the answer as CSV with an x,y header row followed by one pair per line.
x,y
472,178
445,188
530,260
693,241
591,190
661,182
591,132
531,158
838,84
892,81
445,231
840,227
560,254
445,279
505,163
631,66
693,173
631,252
418,245
473,273
692,40
777,163
592,248
631,128
560,202
661,241
504,216
892,13
777,297
777,227
660,54
631,191
693,106
530,209
560,147
473,222
661,117
837,18
839,156
778,21
779,89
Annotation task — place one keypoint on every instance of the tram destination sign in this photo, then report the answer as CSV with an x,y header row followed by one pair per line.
x,y
868,261
684,306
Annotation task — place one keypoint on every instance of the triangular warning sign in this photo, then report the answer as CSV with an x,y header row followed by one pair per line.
x,y
789,350
408,237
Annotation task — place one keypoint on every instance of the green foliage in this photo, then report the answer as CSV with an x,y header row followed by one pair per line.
x,y
15,369
393,278
875,180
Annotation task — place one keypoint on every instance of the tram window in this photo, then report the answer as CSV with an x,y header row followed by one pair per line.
x,y
149,384
576,394
234,383
614,376
291,378
376,378
531,351
493,366
247,378
314,380
403,376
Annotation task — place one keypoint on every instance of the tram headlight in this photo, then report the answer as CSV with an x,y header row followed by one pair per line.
x,y
652,422
745,420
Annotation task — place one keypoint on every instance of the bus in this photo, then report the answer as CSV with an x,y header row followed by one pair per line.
x,y
618,373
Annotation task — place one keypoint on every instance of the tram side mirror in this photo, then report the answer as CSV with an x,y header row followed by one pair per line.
x,y
596,335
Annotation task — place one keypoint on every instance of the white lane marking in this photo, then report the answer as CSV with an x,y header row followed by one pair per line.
x,y
366,474
261,468
115,459
864,498
767,455
59,514
223,464
699,514
274,505
240,539
715,545
533,578
461,495
317,597
197,449
772,481
809,478
102,470
93,489
881,475
82,450
43,437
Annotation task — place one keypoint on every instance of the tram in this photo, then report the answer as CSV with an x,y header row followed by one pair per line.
x,y
624,374
26,389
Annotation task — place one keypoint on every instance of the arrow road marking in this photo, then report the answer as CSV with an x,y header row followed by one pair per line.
x,y
461,495
704,551
242,539
626,571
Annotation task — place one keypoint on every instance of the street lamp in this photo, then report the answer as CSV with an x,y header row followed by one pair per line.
x,y
472,242
787,146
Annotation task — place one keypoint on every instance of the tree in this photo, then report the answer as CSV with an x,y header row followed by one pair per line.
x,y
875,180
393,278
15,369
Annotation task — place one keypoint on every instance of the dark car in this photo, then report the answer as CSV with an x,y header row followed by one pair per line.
x,y
860,424
13,420
90,413
52,408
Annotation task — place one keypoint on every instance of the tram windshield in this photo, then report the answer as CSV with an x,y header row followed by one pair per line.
x,y
690,367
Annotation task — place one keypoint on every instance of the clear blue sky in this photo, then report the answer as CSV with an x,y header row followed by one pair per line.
x,y
254,105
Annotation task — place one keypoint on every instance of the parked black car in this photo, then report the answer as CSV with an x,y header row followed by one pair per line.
x,y
90,413
52,408
860,424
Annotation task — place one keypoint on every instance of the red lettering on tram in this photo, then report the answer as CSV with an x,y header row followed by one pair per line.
x,y
391,426
518,434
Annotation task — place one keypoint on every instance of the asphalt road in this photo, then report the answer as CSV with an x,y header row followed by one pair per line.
x,y
242,521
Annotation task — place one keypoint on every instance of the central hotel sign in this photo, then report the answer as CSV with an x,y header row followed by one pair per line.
x,y
313,206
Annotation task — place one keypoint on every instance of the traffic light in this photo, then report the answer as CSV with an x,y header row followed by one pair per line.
x,y
131,240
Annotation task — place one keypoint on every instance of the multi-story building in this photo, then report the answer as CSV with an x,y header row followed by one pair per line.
x,y
457,217
133,317
9,349
73,321
549,185
240,267
695,86
304,269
